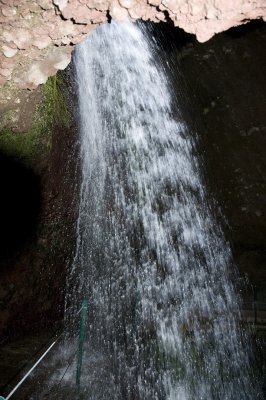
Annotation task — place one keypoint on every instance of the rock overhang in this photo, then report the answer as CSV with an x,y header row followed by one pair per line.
x,y
37,38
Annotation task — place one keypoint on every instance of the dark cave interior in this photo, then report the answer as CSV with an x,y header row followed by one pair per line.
x,y
20,204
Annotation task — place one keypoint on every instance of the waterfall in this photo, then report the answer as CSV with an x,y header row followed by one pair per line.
x,y
163,315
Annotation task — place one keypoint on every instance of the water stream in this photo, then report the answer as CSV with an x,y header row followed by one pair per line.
x,y
150,259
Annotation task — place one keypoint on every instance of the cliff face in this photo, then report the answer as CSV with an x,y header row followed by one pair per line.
x,y
36,38
38,164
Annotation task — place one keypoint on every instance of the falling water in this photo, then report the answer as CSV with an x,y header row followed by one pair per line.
x,y
163,313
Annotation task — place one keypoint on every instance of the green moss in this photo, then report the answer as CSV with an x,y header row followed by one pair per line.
x,y
20,145
54,110
6,117
36,143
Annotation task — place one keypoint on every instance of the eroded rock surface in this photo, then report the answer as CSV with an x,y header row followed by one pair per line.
x,y
36,38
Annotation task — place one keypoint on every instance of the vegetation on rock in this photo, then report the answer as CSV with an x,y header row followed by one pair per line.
x,y
37,141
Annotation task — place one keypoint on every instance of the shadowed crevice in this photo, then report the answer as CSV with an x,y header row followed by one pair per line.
x,y
20,203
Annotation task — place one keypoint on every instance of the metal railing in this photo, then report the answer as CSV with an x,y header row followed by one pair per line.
x,y
254,307
83,311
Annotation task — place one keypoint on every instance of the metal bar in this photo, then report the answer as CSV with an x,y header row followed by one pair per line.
x,y
28,373
44,354
81,342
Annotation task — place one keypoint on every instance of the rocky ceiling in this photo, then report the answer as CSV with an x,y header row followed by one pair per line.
x,y
37,37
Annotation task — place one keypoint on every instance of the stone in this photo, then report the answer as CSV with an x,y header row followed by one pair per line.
x,y
5,72
8,36
170,4
9,11
2,80
42,42
155,3
97,17
22,38
137,12
40,30
7,63
37,75
28,28
117,12
85,29
127,3
65,40
62,59
46,4
34,8
61,4
101,5
39,71
77,39
198,8
160,16
78,12
184,8
8,51
61,29
48,15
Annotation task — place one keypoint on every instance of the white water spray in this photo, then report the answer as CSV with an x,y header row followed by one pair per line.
x,y
163,312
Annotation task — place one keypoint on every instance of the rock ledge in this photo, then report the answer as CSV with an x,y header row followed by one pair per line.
x,y
36,38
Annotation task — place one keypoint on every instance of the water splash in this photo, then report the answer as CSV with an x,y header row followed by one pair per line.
x,y
153,264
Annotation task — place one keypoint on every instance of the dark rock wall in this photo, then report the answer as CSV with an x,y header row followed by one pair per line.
x,y
38,208
225,90
221,86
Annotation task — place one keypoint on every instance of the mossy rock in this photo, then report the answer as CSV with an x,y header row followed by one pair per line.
x,y
36,143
